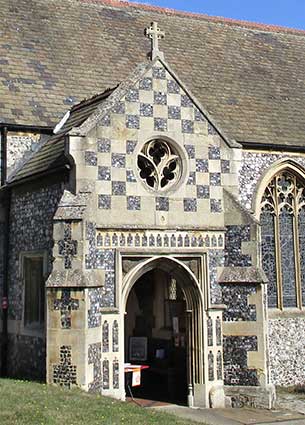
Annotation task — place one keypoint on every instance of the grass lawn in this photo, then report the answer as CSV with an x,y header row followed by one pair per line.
x,y
23,402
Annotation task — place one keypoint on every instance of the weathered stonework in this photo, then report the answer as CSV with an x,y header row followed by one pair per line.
x,y
236,298
236,371
211,366
105,336
95,304
115,336
20,146
31,229
253,397
106,372
64,373
94,358
115,374
65,305
27,356
252,168
287,350
67,248
216,262
159,239
235,236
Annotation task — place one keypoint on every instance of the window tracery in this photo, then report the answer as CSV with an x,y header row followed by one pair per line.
x,y
283,241
159,165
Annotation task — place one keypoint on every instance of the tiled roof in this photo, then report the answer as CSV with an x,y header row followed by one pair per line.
x,y
53,53
50,154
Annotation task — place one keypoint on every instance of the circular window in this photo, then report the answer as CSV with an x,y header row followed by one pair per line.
x,y
159,165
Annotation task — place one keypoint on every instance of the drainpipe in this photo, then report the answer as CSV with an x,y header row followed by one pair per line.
x,y
4,303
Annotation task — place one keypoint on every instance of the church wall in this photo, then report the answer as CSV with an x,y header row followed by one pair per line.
x,y
66,336
82,339
285,328
32,209
244,328
253,166
245,346
242,303
286,345
236,298
287,350
236,237
19,146
216,264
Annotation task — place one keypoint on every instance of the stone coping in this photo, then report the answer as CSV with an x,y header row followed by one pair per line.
x,y
75,279
217,307
243,275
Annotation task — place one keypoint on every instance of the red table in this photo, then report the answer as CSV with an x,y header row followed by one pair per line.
x,y
135,379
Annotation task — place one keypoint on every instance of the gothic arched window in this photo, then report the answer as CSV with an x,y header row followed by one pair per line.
x,y
283,240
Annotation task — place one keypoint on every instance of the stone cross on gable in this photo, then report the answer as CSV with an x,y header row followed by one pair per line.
x,y
155,34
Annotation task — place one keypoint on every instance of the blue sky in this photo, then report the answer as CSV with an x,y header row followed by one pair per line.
x,y
289,13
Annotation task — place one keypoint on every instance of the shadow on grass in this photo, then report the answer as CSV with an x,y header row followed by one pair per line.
x,y
26,402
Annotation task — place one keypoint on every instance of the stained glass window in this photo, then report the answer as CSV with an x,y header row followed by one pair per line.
x,y
287,259
268,255
283,240
301,225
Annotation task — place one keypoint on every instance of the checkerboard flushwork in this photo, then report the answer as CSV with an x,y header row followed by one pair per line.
x,y
158,103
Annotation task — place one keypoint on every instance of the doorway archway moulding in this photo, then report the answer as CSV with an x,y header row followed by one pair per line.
x,y
198,309
169,262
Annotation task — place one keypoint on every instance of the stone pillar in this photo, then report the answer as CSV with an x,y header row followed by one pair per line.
x,y
245,337
214,355
112,361
73,310
74,330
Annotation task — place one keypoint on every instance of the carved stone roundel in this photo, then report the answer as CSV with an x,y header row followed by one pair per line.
x,y
159,165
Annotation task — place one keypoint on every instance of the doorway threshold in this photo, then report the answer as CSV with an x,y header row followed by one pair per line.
x,y
148,403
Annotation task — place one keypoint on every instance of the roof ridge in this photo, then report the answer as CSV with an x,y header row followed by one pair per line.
x,y
214,19
93,99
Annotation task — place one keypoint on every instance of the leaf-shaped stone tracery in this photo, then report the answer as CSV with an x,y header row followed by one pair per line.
x,y
283,191
159,164
283,243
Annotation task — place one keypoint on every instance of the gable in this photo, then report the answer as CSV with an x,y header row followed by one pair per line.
x,y
154,107
153,86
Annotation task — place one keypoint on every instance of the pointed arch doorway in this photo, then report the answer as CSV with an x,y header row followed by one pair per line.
x,y
164,327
